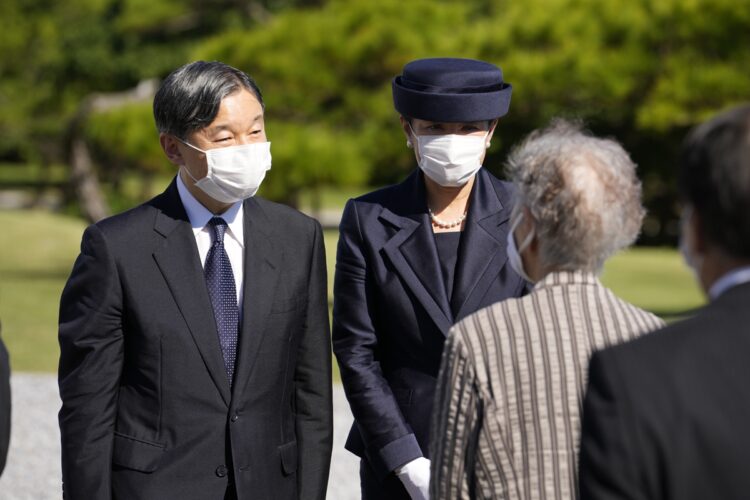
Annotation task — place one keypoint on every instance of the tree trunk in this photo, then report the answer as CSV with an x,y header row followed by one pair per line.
x,y
86,183
83,175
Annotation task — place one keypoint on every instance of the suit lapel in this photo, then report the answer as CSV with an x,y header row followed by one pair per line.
x,y
412,252
482,252
260,279
180,265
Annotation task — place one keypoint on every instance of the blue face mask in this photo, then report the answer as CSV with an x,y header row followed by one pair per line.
x,y
514,254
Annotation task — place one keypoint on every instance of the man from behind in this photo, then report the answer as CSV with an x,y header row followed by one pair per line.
x,y
666,415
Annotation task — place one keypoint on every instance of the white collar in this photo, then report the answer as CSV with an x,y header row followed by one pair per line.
x,y
731,279
200,215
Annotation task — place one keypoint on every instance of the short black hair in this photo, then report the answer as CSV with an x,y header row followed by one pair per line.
x,y
190,97
715,179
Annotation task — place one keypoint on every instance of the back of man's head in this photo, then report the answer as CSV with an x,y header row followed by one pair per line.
x,y
715,179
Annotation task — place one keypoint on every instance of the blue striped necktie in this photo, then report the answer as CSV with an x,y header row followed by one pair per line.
x,y
223,293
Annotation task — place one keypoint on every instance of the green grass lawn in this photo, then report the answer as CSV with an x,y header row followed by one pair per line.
x,y
36,256
39,248
330,197
655,279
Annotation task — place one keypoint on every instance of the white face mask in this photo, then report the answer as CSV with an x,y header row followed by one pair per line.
x,y
234,172
514,254
450,159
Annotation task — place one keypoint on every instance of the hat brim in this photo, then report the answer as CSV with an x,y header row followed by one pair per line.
x,y
451,107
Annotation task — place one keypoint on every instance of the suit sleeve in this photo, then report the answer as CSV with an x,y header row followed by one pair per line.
x,y
4,405
455,423
608,464
91,356
312,381
388,439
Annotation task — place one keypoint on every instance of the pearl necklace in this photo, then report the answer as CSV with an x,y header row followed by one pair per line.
x,y
445,225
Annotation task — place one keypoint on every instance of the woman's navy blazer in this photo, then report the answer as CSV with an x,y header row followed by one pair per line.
x,y
391,312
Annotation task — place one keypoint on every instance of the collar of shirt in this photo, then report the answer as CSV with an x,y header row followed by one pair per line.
x,y
200,215
731,279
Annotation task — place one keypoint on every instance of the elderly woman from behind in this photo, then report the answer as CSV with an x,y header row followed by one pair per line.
x,y
507,409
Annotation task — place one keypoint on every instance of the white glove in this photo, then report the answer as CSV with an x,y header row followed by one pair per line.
x,y
416,478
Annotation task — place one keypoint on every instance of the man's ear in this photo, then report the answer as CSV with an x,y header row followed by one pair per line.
x,y
170,145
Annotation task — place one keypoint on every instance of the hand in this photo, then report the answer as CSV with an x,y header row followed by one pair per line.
x,y
416,478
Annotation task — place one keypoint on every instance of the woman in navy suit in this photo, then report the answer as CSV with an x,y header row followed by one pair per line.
x,y
413,259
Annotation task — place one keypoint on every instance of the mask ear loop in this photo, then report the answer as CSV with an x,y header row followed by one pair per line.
x,y
197,149
414,134
529,237
416,140
186,143
184,168
694,262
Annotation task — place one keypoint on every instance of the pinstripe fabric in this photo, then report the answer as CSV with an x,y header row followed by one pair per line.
x,y
509,394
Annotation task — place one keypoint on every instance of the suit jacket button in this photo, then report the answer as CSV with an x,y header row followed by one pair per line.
x,y
235,417
221,471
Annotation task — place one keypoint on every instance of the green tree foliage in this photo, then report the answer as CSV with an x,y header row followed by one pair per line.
x,y
311,157
643,71
123,139
330,69
56,54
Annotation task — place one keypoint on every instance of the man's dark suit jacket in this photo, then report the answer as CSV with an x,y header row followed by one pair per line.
x,y
392,313
4,405
147,408
667,415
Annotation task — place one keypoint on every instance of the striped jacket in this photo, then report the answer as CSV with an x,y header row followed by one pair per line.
x,y
506,422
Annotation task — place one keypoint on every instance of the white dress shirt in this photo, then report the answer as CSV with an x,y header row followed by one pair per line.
x,y
234,242
731,279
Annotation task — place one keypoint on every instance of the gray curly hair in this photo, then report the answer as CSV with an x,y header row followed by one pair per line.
x,y
582,192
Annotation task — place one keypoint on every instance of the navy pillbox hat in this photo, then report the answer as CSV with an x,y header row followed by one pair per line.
x,y
451,90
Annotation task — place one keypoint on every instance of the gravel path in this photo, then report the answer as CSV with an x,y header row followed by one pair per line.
x,y
33,468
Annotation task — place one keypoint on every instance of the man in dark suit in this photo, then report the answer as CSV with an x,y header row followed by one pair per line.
x,y
194,336
4,404
666,416
412,260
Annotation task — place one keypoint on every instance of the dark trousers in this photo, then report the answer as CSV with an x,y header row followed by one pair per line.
x,y
4,405
390,488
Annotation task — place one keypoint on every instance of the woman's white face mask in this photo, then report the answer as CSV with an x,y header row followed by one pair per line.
x,y
234,172
451,159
